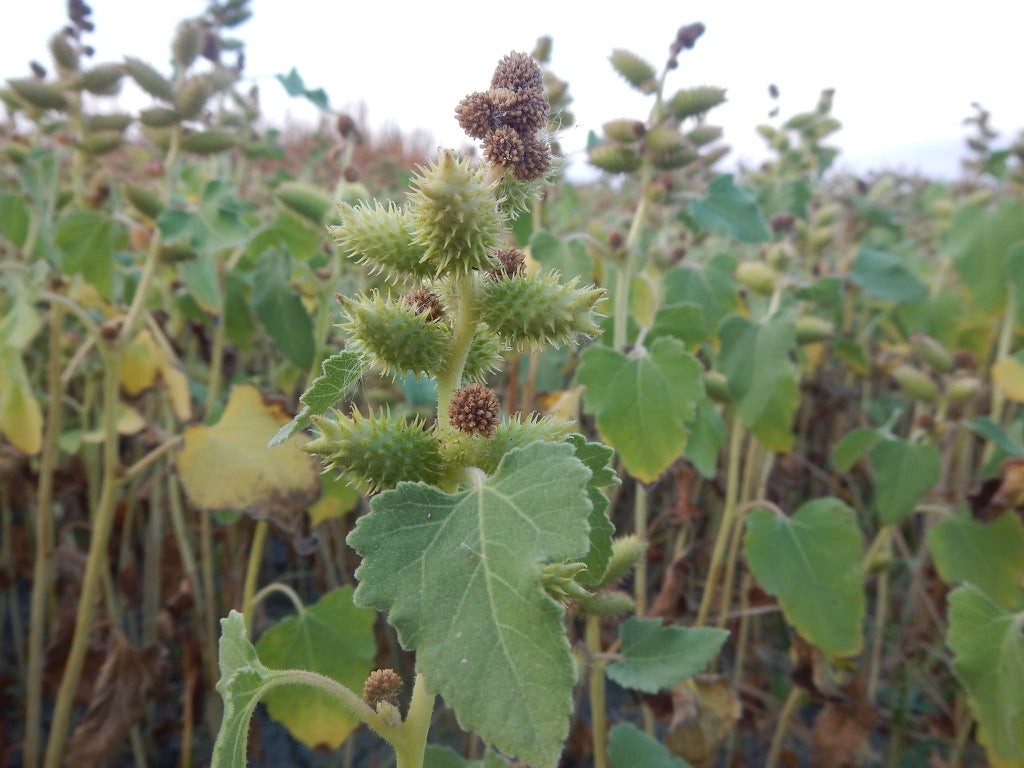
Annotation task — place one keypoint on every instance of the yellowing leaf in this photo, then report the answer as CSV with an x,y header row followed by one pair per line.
x,y
563,404
337,500
21,418
139,364
172,375
1008,375
229,466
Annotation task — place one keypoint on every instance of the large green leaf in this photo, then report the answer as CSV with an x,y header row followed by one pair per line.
x,y
978,240
281,310
437,756
642,401
989,645
15,218
731,210
629,747
812,563
341,373
754,357
884,276
988,555
568,255
214,225
684,320
711,286
596,458
774,429
460,577
903,474
332,637
655,656
87,241
852,447
707,433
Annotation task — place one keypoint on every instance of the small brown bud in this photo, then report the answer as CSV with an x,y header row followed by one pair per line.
x,y
351,175
424,301
783,222
346,128
382,685
474,410
511,262
110,328
964,358
616,240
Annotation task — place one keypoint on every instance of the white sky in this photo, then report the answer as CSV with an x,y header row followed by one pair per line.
x,y
905,71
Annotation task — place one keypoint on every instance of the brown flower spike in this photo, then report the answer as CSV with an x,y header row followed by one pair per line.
x,y
382,685
474,410
424,301
508,116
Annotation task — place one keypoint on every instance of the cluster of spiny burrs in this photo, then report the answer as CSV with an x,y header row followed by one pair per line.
x,y
509,117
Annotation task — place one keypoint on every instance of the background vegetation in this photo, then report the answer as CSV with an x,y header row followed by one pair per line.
x,y
811,382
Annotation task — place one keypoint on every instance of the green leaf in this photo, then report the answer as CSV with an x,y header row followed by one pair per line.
x,y
15,218
988,555
200,276
774,430
568,255
596,458
629,747
294,86
459,575
732,211
884,276
642,401
87,241
683,320
754,357
341,374
812,563
707,433
989,645
903,474
242,681
985,427
437,756
852,447
978,240
332,637
711,286
281,310
655,657
215,225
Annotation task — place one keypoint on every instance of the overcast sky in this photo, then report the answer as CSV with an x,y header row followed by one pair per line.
x,y
905,71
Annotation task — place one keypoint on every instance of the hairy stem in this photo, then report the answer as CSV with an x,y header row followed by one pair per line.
x,y
598,718
465,313
252,571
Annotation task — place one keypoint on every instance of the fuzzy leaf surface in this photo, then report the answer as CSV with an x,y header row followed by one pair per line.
x,y
332,637
629,747
988,555
281,310
754,357
642,401
884,276
655,657
732,211
812,563
903,473
989,645
596,458
87,241
459,575
341,373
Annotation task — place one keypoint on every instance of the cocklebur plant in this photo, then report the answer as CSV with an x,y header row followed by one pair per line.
x,y
482,528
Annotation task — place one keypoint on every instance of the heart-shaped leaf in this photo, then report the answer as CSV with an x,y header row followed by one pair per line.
x,y
655,657
460,575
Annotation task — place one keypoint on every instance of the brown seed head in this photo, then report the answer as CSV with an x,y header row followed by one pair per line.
x,y
382,685
502,146
474,410
424,301
511,262
783,222
474,114
517,71
536,160
616,239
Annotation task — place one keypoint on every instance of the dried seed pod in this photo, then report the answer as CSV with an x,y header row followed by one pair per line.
x,y
148,79
614,158
37,94
192,95
425,302
691,102
159,117
307,202
511,262
637,71
101,143
474,410
517,71
382,685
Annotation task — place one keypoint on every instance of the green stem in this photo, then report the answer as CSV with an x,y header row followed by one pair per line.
x,y
464,314
722,537
409,753
640,572
781,725
252,571
41,567
102,525
598,717
284,589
